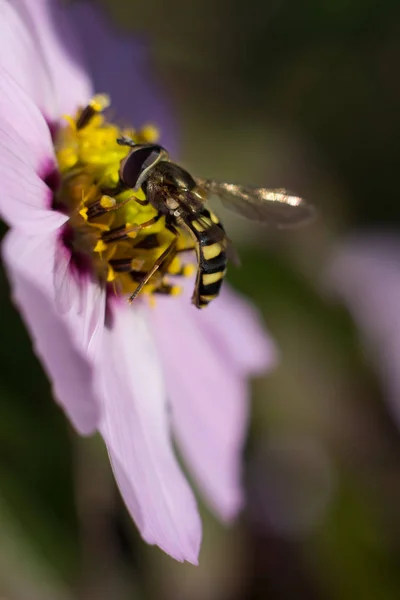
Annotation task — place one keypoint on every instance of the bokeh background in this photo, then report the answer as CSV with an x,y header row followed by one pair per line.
x,y
293,93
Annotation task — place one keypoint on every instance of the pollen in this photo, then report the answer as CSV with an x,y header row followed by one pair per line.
x,y
188,270
100,246
175,290
108,202
112,231
100,102
150,134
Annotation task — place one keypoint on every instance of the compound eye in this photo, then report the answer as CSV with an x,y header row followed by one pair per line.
x,y
138,163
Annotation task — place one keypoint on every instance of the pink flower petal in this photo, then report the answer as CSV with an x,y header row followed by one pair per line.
x,y
237,329
365,273
209,400
36,258
26,155
24,195
50,24
20,56
22,121
78,297
68,369
135,427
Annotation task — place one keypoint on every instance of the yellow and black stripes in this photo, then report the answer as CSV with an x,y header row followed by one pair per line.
x,y
212,260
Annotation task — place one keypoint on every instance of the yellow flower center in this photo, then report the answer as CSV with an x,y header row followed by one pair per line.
x,y
112,234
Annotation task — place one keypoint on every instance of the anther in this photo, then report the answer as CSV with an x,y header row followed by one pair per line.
x,y
121,265
100,102
97,104
103,205
108,202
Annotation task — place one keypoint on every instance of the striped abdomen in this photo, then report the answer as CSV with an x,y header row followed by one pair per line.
x,y
211,241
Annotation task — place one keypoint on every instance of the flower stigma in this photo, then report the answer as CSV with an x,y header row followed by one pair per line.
x,y
112,233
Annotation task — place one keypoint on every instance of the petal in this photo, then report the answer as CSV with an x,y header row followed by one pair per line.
x,y
209,400
67,368
77,296
20,56
365,273
237,330
60,49
22,122
25,197
121,66
135,427
26,155
36,257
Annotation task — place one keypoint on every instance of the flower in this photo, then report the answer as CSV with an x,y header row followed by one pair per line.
x,y
135,373
364,272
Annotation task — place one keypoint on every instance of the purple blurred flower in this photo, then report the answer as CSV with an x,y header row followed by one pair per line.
x,y
365,274
112,365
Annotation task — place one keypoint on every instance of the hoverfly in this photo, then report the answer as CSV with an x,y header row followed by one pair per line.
x,y
181,198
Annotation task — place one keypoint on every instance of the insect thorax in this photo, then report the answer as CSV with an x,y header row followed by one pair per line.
x,y
172,175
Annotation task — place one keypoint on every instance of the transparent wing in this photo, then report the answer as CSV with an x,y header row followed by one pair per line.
x,y
277,208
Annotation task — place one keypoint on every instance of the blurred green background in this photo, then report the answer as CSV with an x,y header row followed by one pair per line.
x,y
300,94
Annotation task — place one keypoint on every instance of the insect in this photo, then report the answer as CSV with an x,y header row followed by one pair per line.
x,y
181,198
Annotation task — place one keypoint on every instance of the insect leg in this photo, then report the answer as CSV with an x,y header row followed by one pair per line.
x,y
170,224
114,191
148,223
119,233
144,202
159,262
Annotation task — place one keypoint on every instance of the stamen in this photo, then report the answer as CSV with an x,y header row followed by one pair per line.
x,y
114,231
171,290
121,265
97,105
